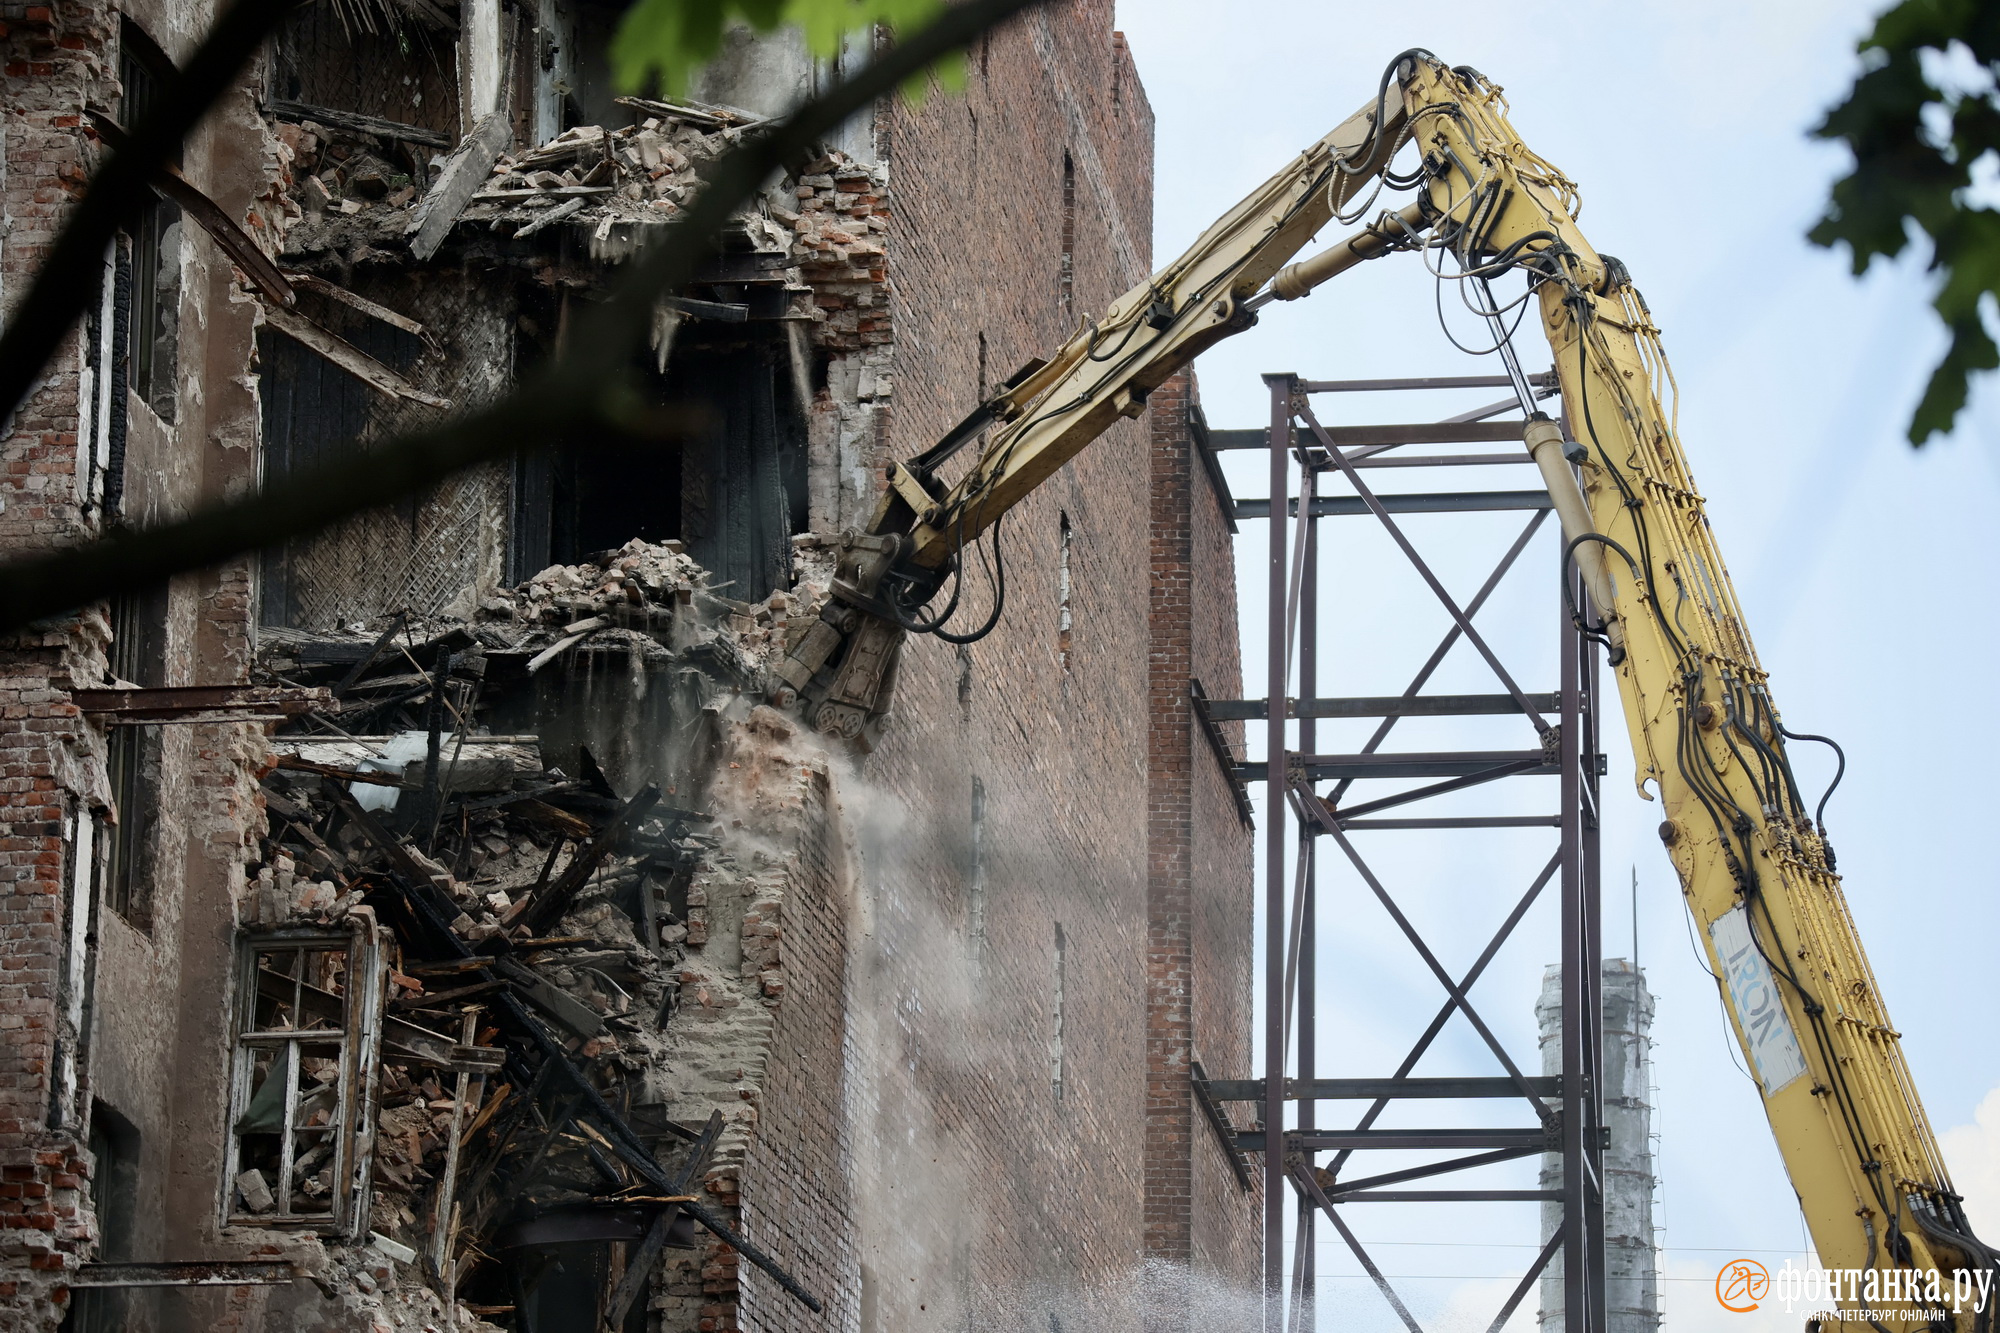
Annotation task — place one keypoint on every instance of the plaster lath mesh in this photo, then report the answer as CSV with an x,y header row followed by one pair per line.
x,y
416,557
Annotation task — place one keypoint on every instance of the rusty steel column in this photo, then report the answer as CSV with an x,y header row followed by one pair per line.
x,y
1274,865
1307,991
1576,967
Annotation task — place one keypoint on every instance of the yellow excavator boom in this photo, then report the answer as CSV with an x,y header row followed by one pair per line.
x,y
1753,859
1752,856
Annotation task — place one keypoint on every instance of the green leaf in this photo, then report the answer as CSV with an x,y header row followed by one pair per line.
x,y
664,42
1905,183
1971,349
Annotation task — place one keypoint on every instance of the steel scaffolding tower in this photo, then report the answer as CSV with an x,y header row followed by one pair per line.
x,y
1565,1112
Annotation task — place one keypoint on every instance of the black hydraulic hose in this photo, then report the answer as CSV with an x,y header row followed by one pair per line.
x,y
999,572
1766,714
1733,714
1819,815
1382,105
917,625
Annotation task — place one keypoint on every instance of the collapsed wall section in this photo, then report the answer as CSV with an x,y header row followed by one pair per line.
x,y
903,994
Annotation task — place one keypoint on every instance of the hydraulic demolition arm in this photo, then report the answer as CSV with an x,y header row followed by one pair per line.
x,y
1750,849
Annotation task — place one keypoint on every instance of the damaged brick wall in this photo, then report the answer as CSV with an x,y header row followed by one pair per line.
x,y
60,479
1199,905
919,992
761,1033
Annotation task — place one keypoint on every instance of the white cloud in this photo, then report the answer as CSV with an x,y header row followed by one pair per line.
x,y
1973,1154
1687,1297
1472,1305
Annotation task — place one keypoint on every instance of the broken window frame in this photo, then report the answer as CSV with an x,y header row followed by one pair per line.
x,y
358,1041
152,348
133,756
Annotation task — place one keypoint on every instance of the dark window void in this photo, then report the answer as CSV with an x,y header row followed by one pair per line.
x,y
313,413
589,98
563,1288
1058,1066
372,59
732,487
132,757
1065,611
1066,278
153,337
114,1197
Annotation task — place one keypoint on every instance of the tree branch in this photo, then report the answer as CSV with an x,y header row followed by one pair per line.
x,y
583,393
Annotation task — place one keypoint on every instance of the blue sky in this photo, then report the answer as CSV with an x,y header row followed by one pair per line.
x,y
1861,563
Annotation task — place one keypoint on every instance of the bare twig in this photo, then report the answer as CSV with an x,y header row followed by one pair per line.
x,y
583,393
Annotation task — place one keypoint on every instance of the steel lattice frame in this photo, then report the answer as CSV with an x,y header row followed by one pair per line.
x,y
1567,1108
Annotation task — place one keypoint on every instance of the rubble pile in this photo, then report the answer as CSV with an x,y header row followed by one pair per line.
x,y
336,188
534,920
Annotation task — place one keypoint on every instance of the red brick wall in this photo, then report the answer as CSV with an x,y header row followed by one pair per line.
x,y
54,57
795,1177
1226,1225
1199,907
1002,1200
980,1192
153,1045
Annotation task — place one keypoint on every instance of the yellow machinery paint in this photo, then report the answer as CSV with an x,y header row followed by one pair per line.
x,y
1754,865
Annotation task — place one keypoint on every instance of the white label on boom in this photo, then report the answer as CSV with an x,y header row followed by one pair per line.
x,y
1774,1047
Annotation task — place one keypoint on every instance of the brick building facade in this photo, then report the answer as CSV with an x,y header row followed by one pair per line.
x,y
945,1000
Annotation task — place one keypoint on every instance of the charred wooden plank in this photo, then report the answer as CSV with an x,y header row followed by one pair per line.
x,y
354,122
200,703
544,908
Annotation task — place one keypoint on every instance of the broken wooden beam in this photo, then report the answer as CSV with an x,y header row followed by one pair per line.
x,y
464,172
210,216
312,282
354,122
568,208
348,357
544,909
551,999
639,1266
292,764
200,703
187,1273
710,114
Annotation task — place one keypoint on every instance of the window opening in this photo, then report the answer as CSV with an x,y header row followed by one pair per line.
x,y
982,368
1066,279
303,1080
572,67
100,405
155,239
733,486
975,875
1057,1068
114,1198
83,854
417,553
1065,616
132,757
964,682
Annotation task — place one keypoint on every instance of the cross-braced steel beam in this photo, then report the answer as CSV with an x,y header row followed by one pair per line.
x,y
1311,1168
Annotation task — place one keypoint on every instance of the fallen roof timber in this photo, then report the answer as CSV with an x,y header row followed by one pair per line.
x,y
200,703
